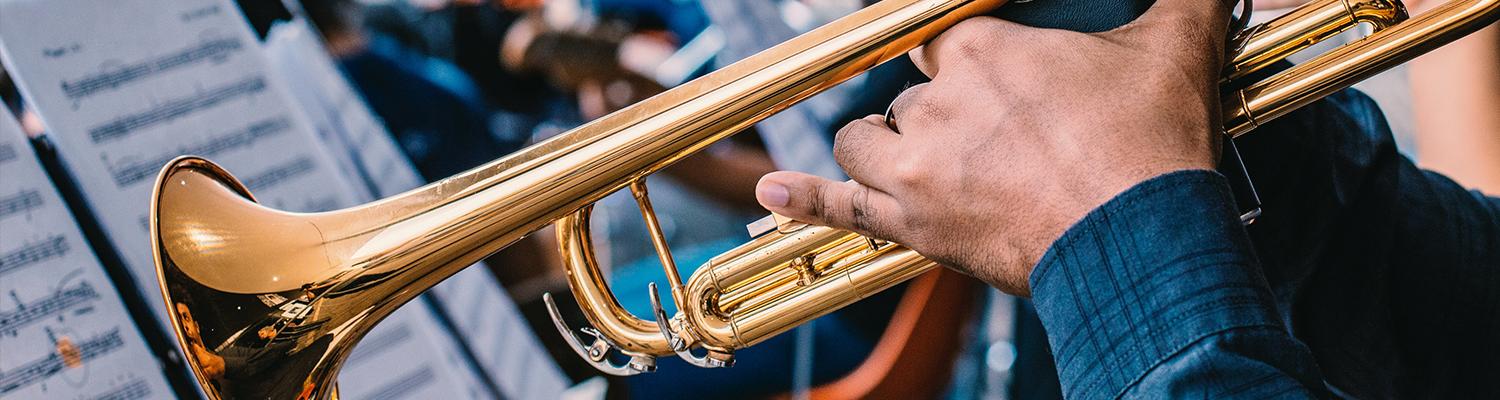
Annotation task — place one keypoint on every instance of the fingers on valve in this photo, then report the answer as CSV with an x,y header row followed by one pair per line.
x,y
844,205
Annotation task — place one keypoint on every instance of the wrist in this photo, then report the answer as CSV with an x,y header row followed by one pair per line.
x,y
1155,198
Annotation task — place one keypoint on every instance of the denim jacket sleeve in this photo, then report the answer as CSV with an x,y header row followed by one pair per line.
x,y
1158,294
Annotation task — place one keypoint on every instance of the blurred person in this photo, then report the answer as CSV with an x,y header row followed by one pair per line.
x,y
1092,189
437,114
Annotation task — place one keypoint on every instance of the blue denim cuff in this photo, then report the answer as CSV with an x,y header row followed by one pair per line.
x,y
1154,270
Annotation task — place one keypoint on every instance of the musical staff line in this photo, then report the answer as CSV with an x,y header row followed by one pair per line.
x,y
378,342
53,246
135,389
208,50
54,363
405,385
129,173
7,152
24,201
288,170
173,109
55,303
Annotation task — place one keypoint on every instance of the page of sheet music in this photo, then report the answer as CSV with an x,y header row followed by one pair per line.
x,y
499,336
485,316
151,79
64,332
409,355
357,138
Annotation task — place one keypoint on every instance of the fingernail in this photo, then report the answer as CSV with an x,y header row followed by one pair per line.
x,y
772,194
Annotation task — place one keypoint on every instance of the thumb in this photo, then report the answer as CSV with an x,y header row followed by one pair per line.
x,y
845,205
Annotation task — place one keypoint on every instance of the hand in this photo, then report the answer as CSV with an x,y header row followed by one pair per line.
x,y
1021,133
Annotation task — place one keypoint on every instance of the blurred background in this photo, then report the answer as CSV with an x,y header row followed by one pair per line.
x,y
460,83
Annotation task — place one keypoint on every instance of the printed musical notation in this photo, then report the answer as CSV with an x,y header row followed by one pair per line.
x,y
65,355
177,108
132,172
359,142
151,80
132,389
64,331
33,253
7,153
485,317
110,135
213,50
19,202
54,304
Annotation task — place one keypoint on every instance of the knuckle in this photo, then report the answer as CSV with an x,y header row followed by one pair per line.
x,y
909,172
850,144
817,206
862,215
974,37
848,129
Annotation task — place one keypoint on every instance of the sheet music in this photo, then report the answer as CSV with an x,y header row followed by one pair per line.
x,y
409,356
64,332
499,336
486,318
151,79
358,139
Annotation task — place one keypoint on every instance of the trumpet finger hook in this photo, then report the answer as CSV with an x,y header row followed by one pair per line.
x,y
678,344
597,352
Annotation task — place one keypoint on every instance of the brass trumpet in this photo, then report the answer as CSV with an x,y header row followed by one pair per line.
x,y
268,304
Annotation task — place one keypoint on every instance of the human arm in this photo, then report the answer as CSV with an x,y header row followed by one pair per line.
x,y
1025,132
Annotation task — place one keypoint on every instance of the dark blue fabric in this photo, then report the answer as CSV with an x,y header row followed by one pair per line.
x,y
1082,16
434,111
1158,293
1366,272
1390,274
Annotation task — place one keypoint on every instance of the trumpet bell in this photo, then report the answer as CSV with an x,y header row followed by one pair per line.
x,y
254,301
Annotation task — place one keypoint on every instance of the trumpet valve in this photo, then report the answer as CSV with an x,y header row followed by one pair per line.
x,y
803,266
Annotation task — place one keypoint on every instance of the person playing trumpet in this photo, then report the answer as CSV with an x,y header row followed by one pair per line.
x,y
1086,180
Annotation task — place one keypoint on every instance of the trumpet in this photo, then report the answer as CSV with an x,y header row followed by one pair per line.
x,y
268,304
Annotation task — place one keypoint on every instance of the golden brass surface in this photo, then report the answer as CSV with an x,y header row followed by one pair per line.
x,y
1339,68
268,304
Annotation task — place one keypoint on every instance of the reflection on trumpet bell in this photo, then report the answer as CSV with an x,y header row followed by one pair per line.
x,y
266,303
269,304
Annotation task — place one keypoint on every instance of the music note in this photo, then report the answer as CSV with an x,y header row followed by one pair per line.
x,y
54,304
174,84
19,202
7,152
487,320
151,80
56,361
176,108
32,253
210,50
59,312
131,172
